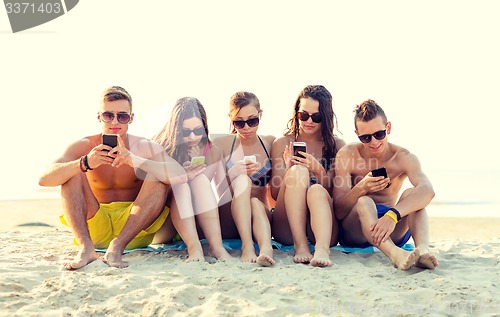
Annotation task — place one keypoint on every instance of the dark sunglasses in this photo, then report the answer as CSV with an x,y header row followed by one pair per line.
x,y
122,117
304,116
367,138
196,131
239,124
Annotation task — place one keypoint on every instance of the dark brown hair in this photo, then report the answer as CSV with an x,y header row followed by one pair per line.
x,y
240,100
116,93
367,111
329,119
170,136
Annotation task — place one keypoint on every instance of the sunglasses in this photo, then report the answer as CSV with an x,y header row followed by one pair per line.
x,y
367,138
122,117
240,124
304,116
196,131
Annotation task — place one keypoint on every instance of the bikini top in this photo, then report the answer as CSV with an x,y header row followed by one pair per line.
x,y
262,176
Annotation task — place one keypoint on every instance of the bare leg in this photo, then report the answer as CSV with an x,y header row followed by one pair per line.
x,y
241,211
320,207
419,228
145,210
297,183
79,204
418,223
366,211
185,224
207,215
262,232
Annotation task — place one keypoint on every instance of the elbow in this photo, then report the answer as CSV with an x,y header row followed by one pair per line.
x,y
43,182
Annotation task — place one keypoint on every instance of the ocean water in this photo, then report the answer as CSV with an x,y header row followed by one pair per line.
x,y
469,193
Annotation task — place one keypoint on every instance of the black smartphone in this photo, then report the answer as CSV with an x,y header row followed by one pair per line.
x,y
110,139
379,172
299,146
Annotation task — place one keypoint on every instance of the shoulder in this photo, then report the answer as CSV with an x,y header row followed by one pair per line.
x,y
144,146
339,143
282,141
268,138
403,155
222,140
348,150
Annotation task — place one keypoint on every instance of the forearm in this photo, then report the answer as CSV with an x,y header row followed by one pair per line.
x,y
59,173
170,173
418,198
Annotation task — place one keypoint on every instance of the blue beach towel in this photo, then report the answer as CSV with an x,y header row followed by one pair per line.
x,y
235,244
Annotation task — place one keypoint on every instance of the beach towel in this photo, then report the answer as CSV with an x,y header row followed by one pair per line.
x,y
235,244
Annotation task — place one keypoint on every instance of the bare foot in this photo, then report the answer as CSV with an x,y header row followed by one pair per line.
x,y
219,253
426,260
248,254
113,256
195,255
265,257
403,259
302,255
84,257
321,258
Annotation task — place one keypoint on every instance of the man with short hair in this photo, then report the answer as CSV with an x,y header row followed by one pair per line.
x,y
107,202
368,207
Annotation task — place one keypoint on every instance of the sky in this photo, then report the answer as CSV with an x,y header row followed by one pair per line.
x,y
432,65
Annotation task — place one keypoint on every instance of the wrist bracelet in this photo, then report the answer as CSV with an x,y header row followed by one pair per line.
x,y
396,212
82,166
388,214
86,162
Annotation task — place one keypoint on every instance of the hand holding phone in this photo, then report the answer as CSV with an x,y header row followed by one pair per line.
x,y
250,159
110,140
299,146
380,172
197,160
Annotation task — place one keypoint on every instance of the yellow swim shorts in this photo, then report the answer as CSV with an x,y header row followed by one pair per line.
x,y
109,221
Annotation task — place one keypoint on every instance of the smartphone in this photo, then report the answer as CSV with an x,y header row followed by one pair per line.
x,y
196,160
250,158
299,146
110,139
380,172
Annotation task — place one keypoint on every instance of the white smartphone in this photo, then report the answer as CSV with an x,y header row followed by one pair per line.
x,y
299,146
250,158
197,160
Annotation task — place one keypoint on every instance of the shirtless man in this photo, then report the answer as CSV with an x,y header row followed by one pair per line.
x,y
107,202
368,206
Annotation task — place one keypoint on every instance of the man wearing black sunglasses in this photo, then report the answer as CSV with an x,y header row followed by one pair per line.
x,y
108,202
367,207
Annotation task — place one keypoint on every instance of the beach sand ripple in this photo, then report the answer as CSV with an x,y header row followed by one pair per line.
x,y
33,282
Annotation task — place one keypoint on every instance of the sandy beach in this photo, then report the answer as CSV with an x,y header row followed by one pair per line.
x,y
34,283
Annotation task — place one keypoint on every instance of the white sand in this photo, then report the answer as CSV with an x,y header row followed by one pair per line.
x,y
34,283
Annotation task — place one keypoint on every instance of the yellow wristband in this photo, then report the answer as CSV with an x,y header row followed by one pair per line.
x,y
388,214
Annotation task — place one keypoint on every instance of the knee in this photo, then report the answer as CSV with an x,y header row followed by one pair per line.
x,y
242,183
297,175
74,183
364,204
317,192
257,205
200,179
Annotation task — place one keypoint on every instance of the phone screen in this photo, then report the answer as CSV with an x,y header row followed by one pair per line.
x,y
110,139
198,160
299,146
379,172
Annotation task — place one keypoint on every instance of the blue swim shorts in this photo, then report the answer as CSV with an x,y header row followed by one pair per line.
x,y
381,210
